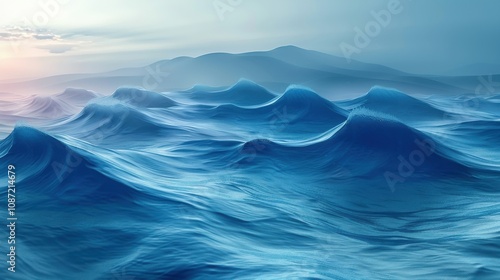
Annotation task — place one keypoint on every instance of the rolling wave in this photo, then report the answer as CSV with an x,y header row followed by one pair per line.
x,y
54,169
109,119
295,106
143,98
239,183
380,142
77,97
243,93
42,110
397,104
45,107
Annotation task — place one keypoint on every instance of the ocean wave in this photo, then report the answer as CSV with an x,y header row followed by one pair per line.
x,y
296,105
54,169
143,98
141,185
77,97
110,119
380,142
397,104
243,93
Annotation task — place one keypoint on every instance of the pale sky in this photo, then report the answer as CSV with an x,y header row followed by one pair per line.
x,y
75,36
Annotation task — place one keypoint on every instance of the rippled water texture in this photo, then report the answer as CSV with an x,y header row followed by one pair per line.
x,y
245,183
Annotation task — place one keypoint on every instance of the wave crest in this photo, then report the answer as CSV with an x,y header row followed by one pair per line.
x,y
54,169
143,98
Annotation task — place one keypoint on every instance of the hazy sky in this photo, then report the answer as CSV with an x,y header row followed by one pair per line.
x,y
46,37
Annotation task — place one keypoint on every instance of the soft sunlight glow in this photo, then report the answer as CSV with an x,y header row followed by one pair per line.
x,y
83,30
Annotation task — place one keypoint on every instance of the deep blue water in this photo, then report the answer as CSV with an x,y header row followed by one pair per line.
x,y
246,184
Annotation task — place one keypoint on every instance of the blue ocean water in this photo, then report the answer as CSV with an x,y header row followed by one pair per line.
x,y
243,183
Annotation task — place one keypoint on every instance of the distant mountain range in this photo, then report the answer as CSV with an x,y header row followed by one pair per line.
x,y
332,77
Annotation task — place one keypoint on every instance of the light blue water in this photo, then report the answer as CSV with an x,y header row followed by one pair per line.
x,y
142,185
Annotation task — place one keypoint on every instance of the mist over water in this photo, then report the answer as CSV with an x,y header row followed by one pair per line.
x,y
246,183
